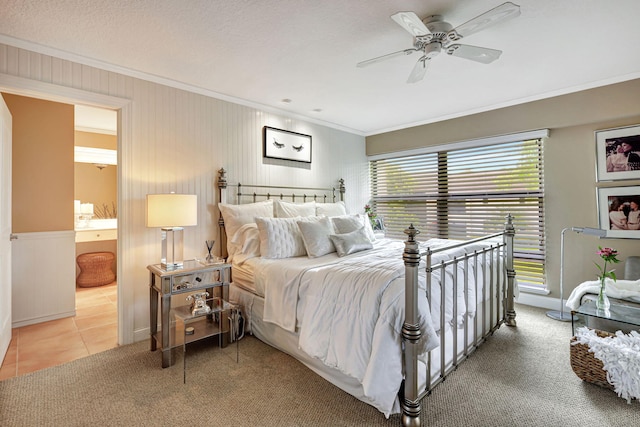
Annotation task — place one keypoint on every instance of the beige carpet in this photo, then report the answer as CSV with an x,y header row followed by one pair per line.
x,y
520,377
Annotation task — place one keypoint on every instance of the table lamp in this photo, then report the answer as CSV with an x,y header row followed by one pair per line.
x,y
172,212
560,315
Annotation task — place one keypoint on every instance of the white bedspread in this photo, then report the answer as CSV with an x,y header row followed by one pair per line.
x,y
353,312
347,311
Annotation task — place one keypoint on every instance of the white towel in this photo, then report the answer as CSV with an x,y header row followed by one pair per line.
x,y
622,289
620,356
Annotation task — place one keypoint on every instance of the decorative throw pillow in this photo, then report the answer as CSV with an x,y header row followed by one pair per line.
x,y
315,235
291,210
352,242
280,237
348,223
235,216
331,209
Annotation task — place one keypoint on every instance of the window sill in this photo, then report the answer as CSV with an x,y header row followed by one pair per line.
x,y
533,290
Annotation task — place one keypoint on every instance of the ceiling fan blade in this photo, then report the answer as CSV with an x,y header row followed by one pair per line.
x,y
474,53
385,57
419,70
500,13
410,22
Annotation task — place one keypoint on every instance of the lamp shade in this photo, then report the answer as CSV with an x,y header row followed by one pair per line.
x,y
172,210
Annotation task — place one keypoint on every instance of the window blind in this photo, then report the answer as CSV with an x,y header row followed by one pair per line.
x,y
466,193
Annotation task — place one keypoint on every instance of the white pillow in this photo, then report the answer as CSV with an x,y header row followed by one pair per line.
x,y
315,235
348,223
352,242
235,216
280,237
331,209
245,244
291,210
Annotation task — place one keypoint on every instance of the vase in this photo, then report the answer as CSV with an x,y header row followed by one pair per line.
x,y
602,303
210,258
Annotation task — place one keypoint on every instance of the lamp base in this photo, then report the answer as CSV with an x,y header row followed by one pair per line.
x,y
171,267
172,248
560,315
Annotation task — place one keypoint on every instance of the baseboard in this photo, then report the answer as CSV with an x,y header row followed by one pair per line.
x,y
34,320
142,334
539,301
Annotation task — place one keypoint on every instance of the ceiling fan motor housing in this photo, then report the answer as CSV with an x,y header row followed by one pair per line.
x,y
441,35
432,49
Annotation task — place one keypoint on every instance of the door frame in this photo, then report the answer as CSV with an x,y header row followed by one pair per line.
x,y
51,92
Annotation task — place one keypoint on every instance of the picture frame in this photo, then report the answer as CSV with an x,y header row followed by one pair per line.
x,y
618,153
286,145
618,211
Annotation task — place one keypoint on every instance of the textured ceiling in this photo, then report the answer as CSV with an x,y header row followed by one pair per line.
x,y
261,52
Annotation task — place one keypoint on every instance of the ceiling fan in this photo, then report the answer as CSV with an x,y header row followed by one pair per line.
x,y
432,35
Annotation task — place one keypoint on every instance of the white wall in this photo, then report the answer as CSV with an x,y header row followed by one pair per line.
x,y
174,140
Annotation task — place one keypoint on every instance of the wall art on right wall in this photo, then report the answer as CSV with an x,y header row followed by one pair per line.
x,y
618,153
619,211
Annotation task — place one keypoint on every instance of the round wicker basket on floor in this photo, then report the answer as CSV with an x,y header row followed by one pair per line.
x,y
95,269
586,366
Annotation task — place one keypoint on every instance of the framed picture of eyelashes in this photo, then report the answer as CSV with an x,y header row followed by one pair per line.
x,y
286,145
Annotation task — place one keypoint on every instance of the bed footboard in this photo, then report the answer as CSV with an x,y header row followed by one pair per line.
x,y
493,281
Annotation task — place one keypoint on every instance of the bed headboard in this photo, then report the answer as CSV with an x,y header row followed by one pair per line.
x,y
250,193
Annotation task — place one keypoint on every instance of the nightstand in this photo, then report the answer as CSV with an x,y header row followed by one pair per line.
x,y
170,289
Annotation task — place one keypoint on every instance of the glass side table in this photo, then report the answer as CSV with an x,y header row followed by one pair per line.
x,y
190,328
622,316
168,289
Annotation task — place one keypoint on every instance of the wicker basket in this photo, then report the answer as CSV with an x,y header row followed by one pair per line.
x,y
95,269
586,366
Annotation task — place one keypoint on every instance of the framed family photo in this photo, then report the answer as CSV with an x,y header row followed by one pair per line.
x,y
618,211
618,153
286,145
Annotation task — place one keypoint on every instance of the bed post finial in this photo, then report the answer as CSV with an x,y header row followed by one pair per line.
x,y
222,178
342,189
411,334
509,305
411,233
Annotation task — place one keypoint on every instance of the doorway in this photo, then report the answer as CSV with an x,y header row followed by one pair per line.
x,y
44,212
126,266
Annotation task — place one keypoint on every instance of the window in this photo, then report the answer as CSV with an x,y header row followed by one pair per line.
x,y
464,193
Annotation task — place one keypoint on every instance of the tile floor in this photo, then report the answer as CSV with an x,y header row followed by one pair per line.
x,y
92,330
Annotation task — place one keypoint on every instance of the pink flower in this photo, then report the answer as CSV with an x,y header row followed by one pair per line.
x,y
609,256
607,253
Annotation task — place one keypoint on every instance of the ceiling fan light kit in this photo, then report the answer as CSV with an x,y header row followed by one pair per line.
x,y
433,35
